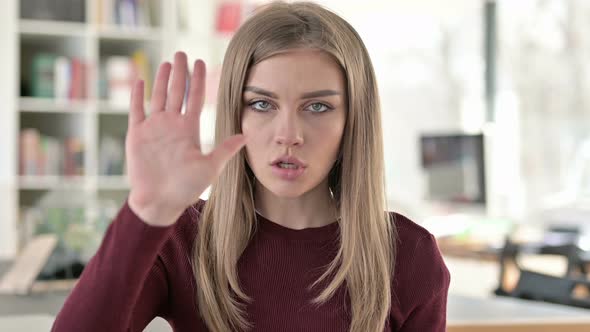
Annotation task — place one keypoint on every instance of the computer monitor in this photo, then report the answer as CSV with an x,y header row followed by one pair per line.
x,y
454,165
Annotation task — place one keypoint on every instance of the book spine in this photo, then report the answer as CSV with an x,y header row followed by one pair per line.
x,y
52,156
29,152
42,75
78,81
119,72
62,77
73,157
141,69
107,12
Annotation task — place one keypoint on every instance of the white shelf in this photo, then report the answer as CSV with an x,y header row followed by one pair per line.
x,y
192,36
115,32
90,120
113,182
49,182
48,105
52,28
105,107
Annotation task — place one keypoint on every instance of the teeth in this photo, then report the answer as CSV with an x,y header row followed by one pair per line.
x,y
287,165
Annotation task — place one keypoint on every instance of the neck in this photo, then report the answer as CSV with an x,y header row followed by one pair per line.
x,y
315,208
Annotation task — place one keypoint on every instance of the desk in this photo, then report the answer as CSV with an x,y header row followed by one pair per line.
x,y
29,323
26,323
465,314
499,314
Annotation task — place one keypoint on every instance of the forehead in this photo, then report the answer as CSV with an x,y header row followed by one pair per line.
x,y
297,69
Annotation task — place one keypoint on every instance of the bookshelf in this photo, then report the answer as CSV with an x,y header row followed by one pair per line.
x,y
83,115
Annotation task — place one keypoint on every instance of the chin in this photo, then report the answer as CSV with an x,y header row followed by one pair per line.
x,y
285,189
289,190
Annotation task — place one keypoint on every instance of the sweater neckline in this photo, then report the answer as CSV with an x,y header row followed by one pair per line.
x,y
322,233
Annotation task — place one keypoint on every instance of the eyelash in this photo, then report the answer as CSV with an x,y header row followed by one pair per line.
x,y
251,105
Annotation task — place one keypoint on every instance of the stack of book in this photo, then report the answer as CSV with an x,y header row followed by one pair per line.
x,y
57,76
44,155
130,13
119,74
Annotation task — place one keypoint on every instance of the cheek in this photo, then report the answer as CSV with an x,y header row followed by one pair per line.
x,y
329,134
255,148
254,126
246,123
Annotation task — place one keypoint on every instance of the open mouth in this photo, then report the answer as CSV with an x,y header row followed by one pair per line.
x,y
287,171
287,165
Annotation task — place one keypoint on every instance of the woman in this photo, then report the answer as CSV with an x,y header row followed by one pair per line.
x,y
294,236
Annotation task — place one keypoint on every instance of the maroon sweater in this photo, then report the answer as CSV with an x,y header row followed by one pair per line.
x,y
141,272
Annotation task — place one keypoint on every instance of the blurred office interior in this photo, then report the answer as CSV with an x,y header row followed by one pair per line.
x,y
486,115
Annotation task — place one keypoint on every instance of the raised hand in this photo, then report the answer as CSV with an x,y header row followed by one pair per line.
x,y
167,169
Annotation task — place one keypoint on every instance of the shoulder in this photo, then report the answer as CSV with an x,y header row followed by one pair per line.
x,y
407,230
420,271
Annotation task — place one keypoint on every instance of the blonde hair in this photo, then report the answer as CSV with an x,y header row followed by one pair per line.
x,y
365,260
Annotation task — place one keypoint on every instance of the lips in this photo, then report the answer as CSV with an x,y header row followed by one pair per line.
x,y
291,160
288,173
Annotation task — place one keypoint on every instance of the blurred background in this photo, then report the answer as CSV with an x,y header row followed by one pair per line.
x,y
486,115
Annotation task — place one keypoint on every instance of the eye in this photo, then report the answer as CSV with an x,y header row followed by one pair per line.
x,y
318,108
260,105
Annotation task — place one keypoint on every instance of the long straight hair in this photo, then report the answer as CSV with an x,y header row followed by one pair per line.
x,y
365,259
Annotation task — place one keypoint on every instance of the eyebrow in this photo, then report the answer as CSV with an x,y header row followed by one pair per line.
x,y
307,95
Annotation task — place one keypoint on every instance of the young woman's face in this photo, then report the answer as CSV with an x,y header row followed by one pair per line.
x,y
295,105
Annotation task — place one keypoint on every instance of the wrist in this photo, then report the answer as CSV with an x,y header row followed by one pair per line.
x,y
152,211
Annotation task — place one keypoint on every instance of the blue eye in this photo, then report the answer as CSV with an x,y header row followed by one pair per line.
x,y
318,108
260,105
265,106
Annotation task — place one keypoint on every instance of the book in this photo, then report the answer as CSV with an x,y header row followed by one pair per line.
x,y
73,157
50,161
119,72
126,12
43,75
29,146
142,70
62,77
105,12
78,72
45,155
57,76
145,13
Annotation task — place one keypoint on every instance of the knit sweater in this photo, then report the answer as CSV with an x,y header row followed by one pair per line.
x,y
142,271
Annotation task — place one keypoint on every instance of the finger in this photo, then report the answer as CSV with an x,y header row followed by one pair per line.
x,y
178,87
160,89
136,112
196,96
223,153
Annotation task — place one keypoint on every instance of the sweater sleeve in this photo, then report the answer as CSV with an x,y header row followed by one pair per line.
x,y
432,278
123,287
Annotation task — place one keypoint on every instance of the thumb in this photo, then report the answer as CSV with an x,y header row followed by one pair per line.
x,y
226,150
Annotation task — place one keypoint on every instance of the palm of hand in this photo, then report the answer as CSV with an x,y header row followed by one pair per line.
x,y
167,169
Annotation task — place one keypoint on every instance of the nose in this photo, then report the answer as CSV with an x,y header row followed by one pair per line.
x,y
289,131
